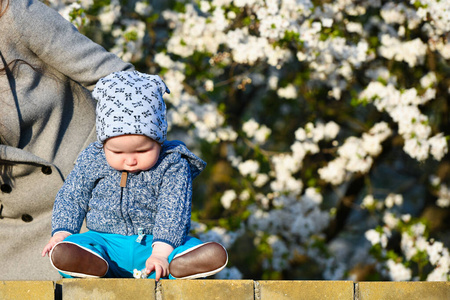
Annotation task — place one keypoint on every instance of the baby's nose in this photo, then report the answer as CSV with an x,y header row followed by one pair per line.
x,y
131,161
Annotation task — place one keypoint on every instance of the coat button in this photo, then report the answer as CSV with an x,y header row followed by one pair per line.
x,y
6,188
46,170
27,218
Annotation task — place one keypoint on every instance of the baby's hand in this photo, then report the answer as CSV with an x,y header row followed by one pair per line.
x,y
159,264
56,238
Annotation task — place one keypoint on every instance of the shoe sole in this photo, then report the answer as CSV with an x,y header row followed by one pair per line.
x,y
201,274
77,261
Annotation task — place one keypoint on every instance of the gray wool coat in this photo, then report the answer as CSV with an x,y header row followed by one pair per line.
x,y
47,117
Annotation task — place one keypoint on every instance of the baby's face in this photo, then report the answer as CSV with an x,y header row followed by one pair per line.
x,y
132,153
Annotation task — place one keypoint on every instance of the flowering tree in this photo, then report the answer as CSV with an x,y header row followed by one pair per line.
x,y
324,124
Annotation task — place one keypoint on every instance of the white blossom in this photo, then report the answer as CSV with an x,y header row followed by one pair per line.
x,y
248,168
244,195
209,85
412,52
368,201
331,130
438,146
288,92
261,180
228,197
390,220
335,172
373,236
428,80
393,199
443,196
143,8
398,272
262,134
408,246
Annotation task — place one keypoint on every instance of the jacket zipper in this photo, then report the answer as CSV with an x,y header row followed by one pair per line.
x,y
123,184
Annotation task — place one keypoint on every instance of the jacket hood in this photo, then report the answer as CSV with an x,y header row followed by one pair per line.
x,y
197,164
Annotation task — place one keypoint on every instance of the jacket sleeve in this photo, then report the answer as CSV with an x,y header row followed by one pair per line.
x,y
174,204
59,44
71,203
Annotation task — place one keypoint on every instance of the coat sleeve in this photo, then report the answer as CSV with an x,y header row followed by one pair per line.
x,y
59,44
174,205
71,203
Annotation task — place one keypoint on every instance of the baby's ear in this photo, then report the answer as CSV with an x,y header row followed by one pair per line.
x,y
161,84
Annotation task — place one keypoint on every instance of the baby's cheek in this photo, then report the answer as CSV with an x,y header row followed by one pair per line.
x,y
114,160
147,162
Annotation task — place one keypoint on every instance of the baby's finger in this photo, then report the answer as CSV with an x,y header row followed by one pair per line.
x,y
157,272
149,268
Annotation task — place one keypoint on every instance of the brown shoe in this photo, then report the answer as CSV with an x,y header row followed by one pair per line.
x,y
77,261
200,261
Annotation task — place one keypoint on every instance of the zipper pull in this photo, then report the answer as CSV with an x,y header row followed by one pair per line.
x,y
123,179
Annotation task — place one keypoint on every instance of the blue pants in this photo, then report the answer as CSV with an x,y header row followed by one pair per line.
x,y
123,253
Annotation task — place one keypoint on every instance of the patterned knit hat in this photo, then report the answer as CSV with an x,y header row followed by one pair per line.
x,y
130,102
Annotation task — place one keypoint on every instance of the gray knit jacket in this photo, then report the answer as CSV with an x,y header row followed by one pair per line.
x,y
158,200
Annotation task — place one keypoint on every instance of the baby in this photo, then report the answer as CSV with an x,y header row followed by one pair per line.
x,y
134,188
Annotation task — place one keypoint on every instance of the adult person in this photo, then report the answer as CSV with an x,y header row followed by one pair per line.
x,y
47,116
